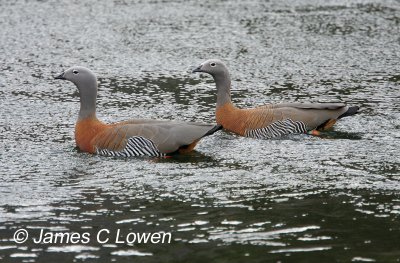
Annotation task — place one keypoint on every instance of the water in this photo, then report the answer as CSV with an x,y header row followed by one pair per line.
x,y
297,199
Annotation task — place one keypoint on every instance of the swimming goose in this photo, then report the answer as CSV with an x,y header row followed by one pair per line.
x,y
137,137
271,120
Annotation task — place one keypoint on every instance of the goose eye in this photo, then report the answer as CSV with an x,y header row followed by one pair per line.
x,y
75,71
213,64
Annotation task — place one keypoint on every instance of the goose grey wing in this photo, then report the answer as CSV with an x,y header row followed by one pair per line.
x,y
169,137
153,121
321,106
153,139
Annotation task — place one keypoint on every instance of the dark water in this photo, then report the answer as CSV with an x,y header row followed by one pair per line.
x,y
298,199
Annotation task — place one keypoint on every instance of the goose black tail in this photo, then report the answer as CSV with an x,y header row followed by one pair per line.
x,y
213,130
351,111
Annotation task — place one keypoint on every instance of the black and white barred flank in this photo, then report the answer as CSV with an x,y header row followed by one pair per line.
x,y
277,129
136,146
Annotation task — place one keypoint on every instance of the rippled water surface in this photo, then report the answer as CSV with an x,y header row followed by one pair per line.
x,y
298,199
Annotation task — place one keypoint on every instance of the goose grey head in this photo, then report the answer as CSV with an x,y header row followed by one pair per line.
x,y
86,82
212,66
80,76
